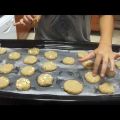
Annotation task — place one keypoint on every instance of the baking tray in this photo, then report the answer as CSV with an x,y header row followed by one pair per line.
x,y
63,72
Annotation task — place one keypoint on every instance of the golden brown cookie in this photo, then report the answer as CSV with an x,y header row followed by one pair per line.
x,y
34,51
14,56
27,70
88,64
3,50
49,66
69,60
45,80
106,88
6,68
4,82
73,87
117,64
92,79
23,84
110,73
82,53
30,59
51,55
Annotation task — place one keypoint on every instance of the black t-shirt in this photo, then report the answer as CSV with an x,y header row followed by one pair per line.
x,y
66,27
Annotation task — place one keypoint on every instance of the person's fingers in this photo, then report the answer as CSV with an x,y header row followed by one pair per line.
x,y
97,64
22,22
104,67
17,23
29,17
116,55
25,19
112,64
87,57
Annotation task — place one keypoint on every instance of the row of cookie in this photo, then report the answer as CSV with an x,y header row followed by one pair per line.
x,y
51,55
27,70
31,51
46,67
76,87
70,86
24,84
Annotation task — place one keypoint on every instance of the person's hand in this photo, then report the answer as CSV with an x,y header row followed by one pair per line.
x,y
27,19
103,56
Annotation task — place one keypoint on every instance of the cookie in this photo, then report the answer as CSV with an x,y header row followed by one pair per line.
x,y
51,55
88,64
92,79
82,53
45,80
106,88
73,87
49,66
69,60
14,56
4,82
27,70
117,64
23,84
6,68
30,59
3,50
34,51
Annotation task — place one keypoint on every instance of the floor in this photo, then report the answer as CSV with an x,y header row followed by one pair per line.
x,y
94,38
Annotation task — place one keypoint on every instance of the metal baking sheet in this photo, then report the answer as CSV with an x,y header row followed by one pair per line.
x,y
55,92
61,74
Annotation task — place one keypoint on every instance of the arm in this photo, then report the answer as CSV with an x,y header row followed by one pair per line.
x,y
106,30
103,54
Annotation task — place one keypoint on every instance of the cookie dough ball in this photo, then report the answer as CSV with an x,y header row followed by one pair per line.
x,y
45,80
27,70
4,82
14,56
92,79
33,51
49,66
23,84
82,53
106,88
69,60
51,55
110,73
30,59
88,64
73,87
2,50
6,68
117,64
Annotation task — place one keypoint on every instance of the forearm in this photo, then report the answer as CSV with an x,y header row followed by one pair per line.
x,y
106,29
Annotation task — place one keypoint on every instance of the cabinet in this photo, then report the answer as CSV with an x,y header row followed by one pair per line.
x,y
95,23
